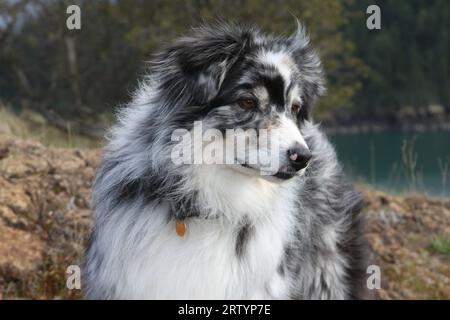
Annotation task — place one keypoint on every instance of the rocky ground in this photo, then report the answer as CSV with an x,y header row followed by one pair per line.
x,y
45,219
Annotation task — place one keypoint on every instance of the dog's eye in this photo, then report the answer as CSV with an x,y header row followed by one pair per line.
x,y
247,104
295,108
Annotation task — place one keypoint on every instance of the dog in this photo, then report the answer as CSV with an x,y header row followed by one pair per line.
x,y
165,230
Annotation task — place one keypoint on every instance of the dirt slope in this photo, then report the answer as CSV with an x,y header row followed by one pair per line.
x,y
45,218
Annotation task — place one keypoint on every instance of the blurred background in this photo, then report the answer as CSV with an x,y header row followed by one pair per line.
x,y
387,111
389,90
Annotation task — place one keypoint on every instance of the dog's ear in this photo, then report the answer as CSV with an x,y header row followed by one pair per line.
x,y
309,65
201,61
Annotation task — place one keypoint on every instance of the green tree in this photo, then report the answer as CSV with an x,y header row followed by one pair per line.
x,y
407,59
83,74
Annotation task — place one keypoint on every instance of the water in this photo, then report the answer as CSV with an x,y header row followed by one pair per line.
x,y
376,159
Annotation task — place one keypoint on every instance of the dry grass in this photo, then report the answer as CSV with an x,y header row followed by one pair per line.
x,y
407,235
32,126
44,216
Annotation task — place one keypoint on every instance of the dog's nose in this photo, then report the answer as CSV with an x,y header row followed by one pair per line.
x,y
299,157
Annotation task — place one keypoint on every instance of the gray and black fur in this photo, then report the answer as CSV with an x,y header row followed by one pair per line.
x,y
312,216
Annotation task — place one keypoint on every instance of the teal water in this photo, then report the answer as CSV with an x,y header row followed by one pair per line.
x,y
376,159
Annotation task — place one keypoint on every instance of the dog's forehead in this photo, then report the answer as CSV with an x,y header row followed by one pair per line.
x,y
273,74
278,61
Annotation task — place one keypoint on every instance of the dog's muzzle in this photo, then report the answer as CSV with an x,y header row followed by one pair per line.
x,y
298,159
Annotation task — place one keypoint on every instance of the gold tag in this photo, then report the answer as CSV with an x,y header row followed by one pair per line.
x,y
180,227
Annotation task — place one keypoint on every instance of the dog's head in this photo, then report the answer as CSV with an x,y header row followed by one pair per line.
x,y
231,77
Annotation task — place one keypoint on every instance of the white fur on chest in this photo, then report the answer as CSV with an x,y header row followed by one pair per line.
x,y
155,263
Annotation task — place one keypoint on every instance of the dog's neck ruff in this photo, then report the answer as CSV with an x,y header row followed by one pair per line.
x,y
230,199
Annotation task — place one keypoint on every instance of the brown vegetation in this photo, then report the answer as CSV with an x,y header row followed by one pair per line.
x,y
45,219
